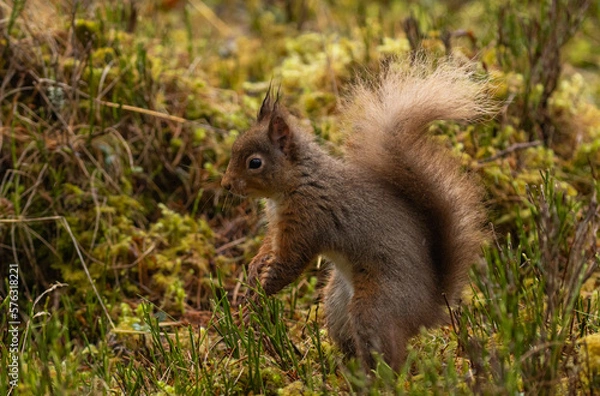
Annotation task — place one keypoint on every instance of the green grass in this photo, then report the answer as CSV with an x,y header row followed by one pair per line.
x,y
116,124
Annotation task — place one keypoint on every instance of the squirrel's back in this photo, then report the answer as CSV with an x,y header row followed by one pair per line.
x,y
389,120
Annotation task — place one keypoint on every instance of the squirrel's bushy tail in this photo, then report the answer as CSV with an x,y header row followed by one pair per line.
x,y
389,120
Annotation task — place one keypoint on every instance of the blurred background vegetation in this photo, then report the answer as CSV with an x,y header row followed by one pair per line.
x,y
116,122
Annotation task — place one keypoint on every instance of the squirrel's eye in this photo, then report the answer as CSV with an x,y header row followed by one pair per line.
x,y
255,163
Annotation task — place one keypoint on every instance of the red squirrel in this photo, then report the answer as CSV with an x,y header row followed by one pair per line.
x,y
396,215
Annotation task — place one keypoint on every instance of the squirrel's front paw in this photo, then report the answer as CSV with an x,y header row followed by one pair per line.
x,y
268,279
257,268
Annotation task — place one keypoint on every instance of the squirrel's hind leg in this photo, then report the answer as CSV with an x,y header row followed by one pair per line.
x,y
377,326
362,321
337,296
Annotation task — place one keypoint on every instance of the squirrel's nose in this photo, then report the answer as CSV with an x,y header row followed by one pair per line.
x,y
225,183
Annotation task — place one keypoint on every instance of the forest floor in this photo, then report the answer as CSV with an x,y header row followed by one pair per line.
x,y
124,261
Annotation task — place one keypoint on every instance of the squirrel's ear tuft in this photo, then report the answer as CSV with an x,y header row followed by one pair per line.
x,y
280,133
267,106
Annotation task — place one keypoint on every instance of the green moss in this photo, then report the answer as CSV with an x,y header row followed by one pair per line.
x,y
88,32
103,56
139,188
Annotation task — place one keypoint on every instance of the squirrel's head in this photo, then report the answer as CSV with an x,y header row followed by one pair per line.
x,y
263,157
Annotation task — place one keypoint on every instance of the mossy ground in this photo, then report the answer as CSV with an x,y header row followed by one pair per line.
x,y
115,126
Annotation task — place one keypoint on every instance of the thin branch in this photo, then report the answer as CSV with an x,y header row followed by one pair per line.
x,y
140,110
228,245
211,17
511,149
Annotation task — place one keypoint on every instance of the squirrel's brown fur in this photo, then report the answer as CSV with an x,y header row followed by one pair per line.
x,y
397,217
